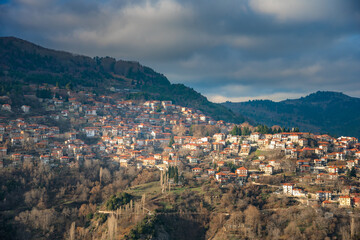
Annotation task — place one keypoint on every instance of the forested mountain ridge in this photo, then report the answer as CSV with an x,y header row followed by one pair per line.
x,y
24,62
320,112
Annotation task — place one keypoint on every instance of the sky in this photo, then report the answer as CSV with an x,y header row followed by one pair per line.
x,y
231,50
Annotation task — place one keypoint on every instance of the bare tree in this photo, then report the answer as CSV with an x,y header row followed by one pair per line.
x,y
253,219
112,227
72,231
292,231
105,175
101,174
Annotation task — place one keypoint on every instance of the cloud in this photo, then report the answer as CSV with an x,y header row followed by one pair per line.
x,y
230,49
148,29
300,10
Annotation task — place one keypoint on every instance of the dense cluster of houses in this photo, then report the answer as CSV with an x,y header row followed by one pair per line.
x,y
147,135
346,198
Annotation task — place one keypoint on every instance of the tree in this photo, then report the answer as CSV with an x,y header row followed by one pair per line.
x,y
116,201
176,177
69,86
171,141
351,173
253,219
112,227
292,231
245,131
236,131
72,231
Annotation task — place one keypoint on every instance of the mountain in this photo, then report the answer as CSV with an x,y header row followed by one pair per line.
x,y
320,112
22,62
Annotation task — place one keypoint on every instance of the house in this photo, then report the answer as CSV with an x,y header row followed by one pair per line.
x,y
16,157
221,164
269,170
292,153
192,160
6,107
2,129
45,158
305,168
356,201
225,170
288,188
3,151
221,177
58,102
242,171
25,108
124,160
327,203
211,172
245,150
91,112
333,169
294,138
217,146
64,159
299,163
91,131
254,137
150,161
196,170
17,141
319,162
345,201
323,195
242,179
275,164
298,192
219,137
256,162
65,113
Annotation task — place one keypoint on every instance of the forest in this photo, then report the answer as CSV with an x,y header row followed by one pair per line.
x,y
40,202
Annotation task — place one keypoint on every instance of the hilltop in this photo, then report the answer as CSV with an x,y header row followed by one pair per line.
x,y
22,62
320,112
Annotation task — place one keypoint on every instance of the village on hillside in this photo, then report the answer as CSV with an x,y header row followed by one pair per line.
x,y
312,169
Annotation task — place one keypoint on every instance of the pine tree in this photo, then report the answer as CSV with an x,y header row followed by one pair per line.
x,y
171,141
176,177
236,131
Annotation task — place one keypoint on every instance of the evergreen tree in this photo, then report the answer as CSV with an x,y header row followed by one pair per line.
x,y
176,178
236,131
171,141
176,175
245,131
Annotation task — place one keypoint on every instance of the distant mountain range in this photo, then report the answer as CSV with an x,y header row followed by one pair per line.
x,y
22,62
320,112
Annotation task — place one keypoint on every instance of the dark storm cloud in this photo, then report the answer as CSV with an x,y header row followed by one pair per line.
x,y
236,49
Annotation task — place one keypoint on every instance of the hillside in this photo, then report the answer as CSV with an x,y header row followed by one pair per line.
x,y
24,62
320,112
